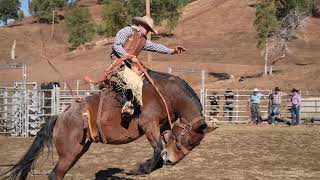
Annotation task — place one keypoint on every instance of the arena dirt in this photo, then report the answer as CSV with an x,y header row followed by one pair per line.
x,y
231,152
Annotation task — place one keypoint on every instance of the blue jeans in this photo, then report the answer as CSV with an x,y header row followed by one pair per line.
x,y
274,113
295,115
255,113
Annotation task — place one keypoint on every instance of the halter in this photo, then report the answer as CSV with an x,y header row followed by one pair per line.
x,y
186,128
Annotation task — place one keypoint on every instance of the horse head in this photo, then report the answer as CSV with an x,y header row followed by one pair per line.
x,y
184,136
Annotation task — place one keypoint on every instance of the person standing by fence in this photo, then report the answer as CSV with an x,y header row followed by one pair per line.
x,y
228,105
295,110
275,102
254,101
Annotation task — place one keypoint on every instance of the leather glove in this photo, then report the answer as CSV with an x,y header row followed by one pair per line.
x,y
178,50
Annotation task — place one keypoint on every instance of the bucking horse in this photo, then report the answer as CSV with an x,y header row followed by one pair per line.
x,y
72,132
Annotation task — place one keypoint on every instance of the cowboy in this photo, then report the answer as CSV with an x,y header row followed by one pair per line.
x,y
275,102
295,110
131,40
228,105
255,100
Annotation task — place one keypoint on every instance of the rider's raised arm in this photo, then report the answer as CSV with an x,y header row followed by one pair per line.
x,y
120,40
151,46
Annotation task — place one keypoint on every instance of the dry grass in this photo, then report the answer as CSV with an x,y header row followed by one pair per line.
x,y
231,152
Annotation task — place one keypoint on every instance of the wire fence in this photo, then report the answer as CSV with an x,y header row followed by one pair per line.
x,y
218,107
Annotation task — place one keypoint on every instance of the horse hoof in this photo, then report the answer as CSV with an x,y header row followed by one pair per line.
x,y
136,170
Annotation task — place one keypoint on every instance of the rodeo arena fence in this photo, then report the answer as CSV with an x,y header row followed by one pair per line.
x,y
25,106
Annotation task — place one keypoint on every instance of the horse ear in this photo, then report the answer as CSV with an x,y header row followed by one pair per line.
x,y
200,126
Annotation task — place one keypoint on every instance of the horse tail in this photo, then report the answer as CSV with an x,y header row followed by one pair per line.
x,y
43,138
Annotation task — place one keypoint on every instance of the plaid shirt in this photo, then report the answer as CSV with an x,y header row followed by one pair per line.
x,y
122,37
276,98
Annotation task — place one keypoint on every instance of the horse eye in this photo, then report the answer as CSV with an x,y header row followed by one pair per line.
x,y
190,142
178,147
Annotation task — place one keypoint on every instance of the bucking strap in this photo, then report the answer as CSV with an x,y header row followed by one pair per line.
x,y
99,117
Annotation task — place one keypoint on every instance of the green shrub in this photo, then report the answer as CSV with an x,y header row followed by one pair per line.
x,y
43,9
9,9
115,16
119,13
266,21
80,26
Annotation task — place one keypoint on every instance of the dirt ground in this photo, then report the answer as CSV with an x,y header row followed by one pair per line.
x,y
231,152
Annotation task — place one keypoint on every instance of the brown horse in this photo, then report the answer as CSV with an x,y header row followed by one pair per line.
x,y
68,130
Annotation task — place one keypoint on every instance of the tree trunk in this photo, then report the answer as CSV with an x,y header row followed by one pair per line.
x,y
13,50
52,30
266,61
270,70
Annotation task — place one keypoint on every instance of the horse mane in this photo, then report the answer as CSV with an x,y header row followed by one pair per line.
x,y
181,83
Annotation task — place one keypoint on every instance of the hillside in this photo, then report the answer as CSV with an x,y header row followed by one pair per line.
x,y
218,34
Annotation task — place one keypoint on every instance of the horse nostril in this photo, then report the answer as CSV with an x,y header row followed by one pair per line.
x,y
164,153
168,162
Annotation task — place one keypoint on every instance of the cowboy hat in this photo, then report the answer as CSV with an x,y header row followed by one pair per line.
x,y
146,21
277,89
255,90
294,90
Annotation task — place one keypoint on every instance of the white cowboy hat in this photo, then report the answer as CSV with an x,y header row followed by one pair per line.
x,y
145,20
255,90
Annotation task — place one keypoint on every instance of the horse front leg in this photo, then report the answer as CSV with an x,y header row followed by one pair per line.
x,y
152,132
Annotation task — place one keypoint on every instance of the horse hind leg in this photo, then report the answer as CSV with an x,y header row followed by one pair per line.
x,y
67,160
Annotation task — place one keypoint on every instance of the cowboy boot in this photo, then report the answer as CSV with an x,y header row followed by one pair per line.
x,y
128,109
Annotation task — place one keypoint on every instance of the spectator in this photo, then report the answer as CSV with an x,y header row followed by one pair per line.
x,y
255,100
275,102
295,110
228,105
214,105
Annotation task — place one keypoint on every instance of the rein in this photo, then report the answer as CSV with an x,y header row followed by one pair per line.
x,y
186,128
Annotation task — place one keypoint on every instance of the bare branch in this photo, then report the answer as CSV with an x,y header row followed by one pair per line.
x,y
278,58
293,23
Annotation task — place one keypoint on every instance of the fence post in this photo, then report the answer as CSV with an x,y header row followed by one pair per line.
x,y
57,105
25,100
300,92
205,102
203,76
27,103
237,106
169,70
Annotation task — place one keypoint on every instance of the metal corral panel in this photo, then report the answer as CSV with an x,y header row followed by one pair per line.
x,y
310,107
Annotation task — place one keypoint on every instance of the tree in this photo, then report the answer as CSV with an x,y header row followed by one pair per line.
x,y
290,25
316,9
161,10
9,9
277,22
266,23
80,26
20,15
118,13
43,8
305,6
115,16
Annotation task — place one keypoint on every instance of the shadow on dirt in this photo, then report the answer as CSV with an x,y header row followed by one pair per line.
x,y
110,173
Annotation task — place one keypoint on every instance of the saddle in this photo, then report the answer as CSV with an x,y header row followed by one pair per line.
x,y
131,81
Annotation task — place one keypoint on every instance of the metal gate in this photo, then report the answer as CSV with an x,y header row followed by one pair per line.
x,y
238,112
